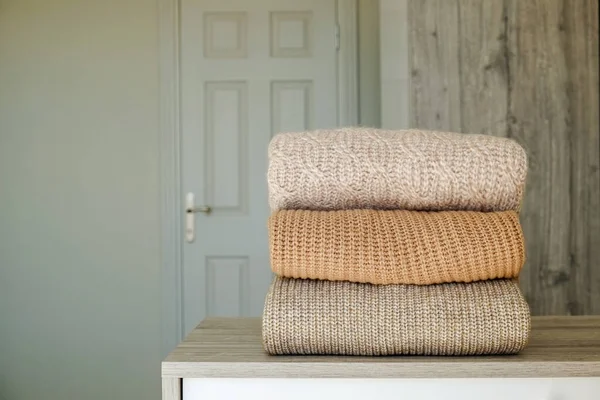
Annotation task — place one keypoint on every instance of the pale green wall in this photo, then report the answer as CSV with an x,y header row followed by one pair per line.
x,y
79,225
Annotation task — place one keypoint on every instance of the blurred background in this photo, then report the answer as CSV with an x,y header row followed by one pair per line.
x,y
111,112
527,70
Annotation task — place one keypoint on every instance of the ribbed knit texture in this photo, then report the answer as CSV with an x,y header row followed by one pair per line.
x,y
396,246
345,318
351,168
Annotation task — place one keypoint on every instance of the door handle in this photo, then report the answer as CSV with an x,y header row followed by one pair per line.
x,y
200,209
190,218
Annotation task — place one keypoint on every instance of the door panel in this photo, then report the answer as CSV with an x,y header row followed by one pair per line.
x,y
249,69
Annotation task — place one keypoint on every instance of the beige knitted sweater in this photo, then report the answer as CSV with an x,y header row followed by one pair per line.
x,y
345,318
396,246
351,168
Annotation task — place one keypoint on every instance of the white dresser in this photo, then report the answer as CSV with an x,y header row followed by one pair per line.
x,y
223,359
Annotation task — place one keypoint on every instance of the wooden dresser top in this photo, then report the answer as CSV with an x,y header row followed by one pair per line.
x,y
232,348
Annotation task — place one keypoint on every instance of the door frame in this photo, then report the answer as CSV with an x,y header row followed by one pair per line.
x,y
171,205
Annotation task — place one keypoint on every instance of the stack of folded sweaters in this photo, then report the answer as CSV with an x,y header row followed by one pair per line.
x,y
395,242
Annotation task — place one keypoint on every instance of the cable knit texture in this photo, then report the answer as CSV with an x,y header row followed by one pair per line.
x,y
350,168
346,318
396,246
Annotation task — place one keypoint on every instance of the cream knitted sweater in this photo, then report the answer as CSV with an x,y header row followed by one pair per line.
x,y
350,168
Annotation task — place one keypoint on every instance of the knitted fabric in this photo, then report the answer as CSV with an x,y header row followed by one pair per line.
x,y
346,318
350,168
396,246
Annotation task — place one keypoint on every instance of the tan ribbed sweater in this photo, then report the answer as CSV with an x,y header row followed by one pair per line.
x,y
345,318
352,168
396,246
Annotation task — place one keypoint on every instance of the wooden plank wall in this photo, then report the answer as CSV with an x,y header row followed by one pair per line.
x,y
527,70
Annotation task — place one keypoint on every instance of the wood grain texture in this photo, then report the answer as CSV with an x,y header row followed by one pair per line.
x,y
526,70
483,71
434,39
171,388
581,45
232,348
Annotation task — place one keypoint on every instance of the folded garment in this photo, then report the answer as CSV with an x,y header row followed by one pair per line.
x,y
396,246
349,168
303,316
